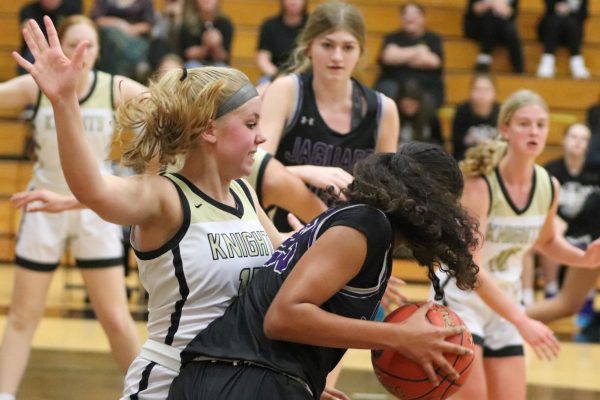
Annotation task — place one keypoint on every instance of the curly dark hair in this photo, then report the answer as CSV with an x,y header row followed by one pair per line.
x,y
419,189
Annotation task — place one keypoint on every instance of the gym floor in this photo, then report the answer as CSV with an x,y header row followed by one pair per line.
x,y
71,358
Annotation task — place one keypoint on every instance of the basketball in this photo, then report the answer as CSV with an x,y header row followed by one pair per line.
x,y
406,379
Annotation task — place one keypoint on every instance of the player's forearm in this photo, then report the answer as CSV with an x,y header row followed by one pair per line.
x,y
78,162
497,300
558,249
309,324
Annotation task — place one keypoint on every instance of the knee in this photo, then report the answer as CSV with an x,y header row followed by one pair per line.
x,y
115,322
24,319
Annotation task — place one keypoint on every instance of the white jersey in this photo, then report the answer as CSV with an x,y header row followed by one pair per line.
x,y
97,114
511,232
194,277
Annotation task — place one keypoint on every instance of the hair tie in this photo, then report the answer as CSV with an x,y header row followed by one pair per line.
x,y
183,74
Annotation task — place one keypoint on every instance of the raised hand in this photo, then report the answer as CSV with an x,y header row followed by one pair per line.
x,y
54,73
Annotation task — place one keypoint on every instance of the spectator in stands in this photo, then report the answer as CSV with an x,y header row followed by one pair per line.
x,y
412,53
579,207
164,38
57,10
124,36
418,122
476,119
492,22
206,34
562,23
593,122
278,37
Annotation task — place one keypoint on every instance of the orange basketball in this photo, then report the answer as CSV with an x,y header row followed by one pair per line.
x,y
406,379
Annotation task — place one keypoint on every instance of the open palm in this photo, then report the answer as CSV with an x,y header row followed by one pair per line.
x,y
54,73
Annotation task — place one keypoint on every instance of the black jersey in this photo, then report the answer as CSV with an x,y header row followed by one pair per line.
x,y
579,201
238,335
308,140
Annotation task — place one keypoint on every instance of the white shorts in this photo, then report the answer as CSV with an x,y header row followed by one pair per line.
x,y
497,336
147,380
44,237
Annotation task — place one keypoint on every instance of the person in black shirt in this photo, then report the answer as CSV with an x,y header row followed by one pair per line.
x,y
562,23
412,53
475,120
593,121
316,295
206,34
278,35
57,10
579,206
319,121
491,23
417,121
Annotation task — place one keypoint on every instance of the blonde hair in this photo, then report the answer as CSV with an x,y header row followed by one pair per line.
x,y
174,112
73,20
482,159
326,18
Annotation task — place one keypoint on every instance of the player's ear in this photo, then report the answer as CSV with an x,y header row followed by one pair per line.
x,y
210,134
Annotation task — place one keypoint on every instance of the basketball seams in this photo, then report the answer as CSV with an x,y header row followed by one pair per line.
x,y
417,386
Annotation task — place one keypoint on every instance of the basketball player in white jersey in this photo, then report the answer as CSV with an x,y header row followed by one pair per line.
x,y
42,238
199,234
515,201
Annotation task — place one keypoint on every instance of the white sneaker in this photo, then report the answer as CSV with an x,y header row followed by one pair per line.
x,y
546,67
578,69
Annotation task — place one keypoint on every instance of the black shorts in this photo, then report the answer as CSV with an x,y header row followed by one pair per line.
x,y
208,380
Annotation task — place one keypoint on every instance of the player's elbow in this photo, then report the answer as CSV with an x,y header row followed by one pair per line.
x,y
275,325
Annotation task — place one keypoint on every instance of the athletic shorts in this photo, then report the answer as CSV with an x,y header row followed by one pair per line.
x,y
208,380
44,237
147,380
497,336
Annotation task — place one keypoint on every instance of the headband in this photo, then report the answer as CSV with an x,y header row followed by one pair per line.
x,y
245,93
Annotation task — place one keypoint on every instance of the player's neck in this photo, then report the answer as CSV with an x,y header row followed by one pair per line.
x,y
516,171
332,91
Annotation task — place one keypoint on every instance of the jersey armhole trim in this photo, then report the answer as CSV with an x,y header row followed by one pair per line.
x,y
176,239
299,99
378,117
244,187
260,176
489,188
552,192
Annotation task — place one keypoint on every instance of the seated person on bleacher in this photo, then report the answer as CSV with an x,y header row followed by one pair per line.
x,y
562,23
412,53
278,35
475,119
493,22
124,32
593,122
418,122
164,38
206,34
55,9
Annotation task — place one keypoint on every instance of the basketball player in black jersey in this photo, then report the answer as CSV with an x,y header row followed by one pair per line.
x,y
321,288
319,121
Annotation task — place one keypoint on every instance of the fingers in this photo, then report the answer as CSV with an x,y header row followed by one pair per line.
x,y
430,372
77,59
37,35
51,30
21,199
26,65
294,222
445,368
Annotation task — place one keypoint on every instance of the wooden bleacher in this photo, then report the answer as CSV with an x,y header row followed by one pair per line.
x,y
568,99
